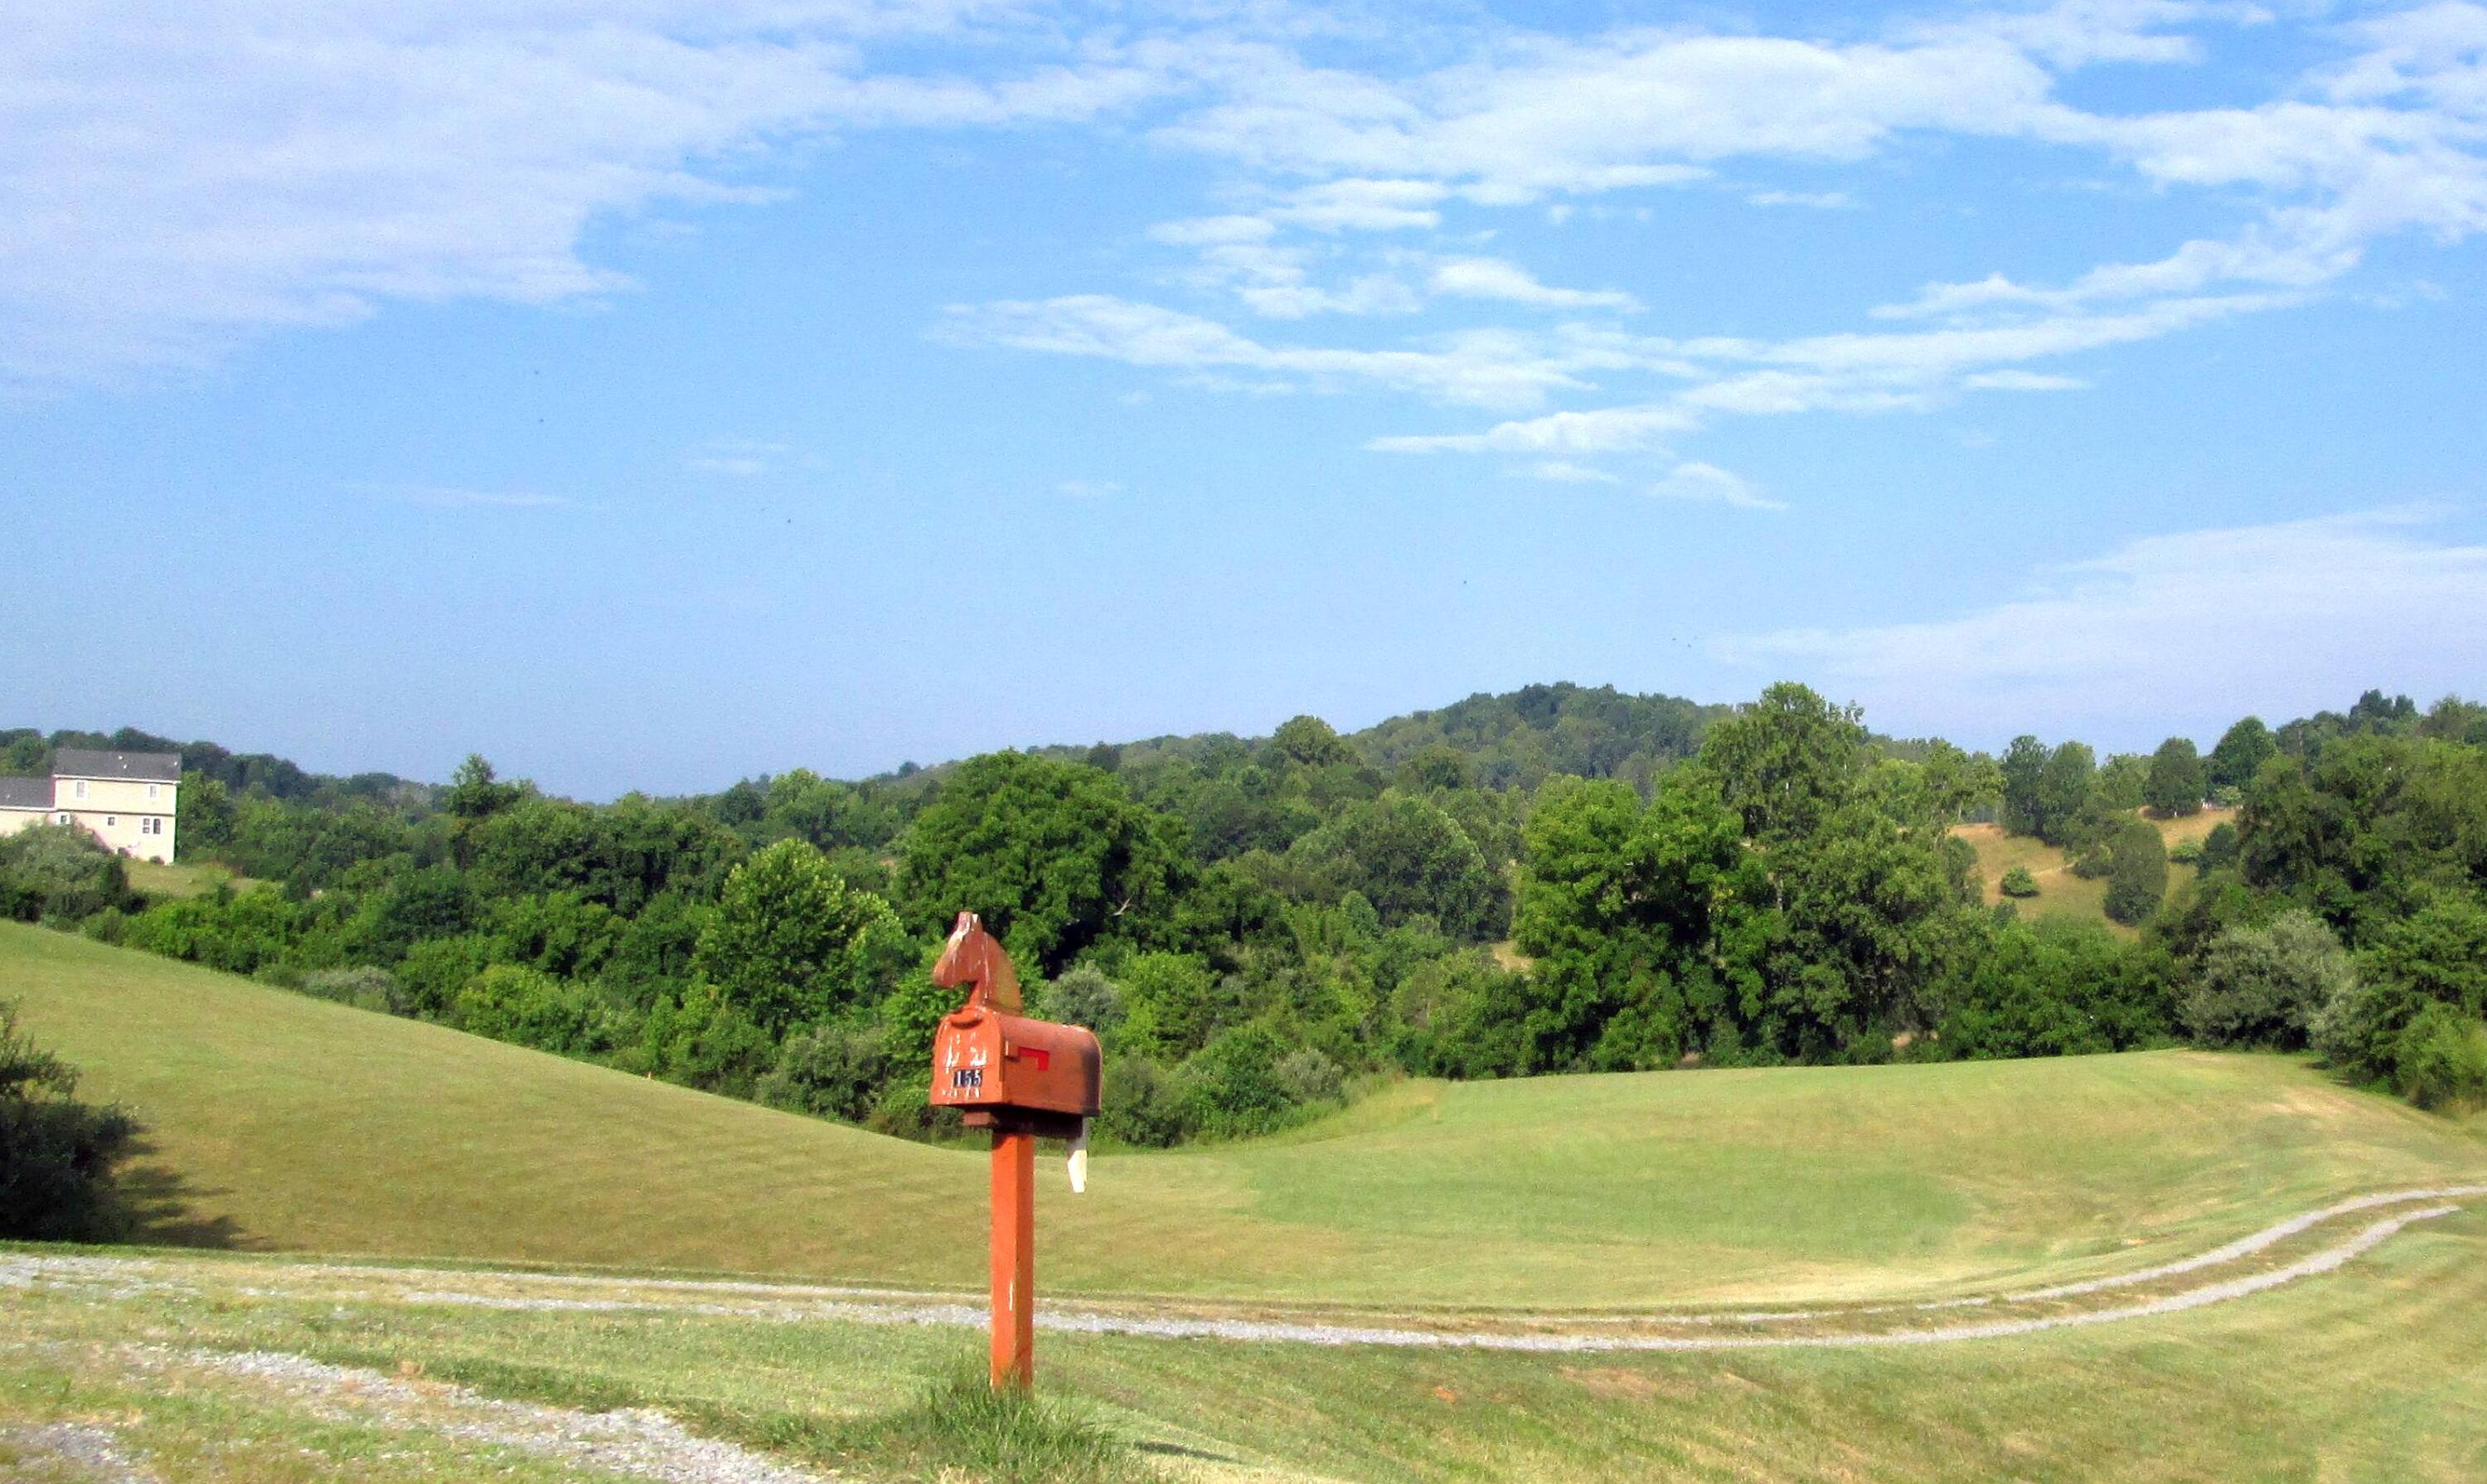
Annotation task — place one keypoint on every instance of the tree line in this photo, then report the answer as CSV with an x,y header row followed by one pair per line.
x,y
1557,880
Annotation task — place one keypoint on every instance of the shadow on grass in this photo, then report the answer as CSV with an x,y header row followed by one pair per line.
x,y
163,1203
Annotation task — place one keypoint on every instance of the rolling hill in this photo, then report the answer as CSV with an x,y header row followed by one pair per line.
x,y
292,1124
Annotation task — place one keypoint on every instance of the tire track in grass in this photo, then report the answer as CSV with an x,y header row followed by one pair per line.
x,y
796,1304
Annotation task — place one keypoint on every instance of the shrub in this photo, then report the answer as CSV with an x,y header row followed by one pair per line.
x,y
2018,883
2437,956
2186,852
1143,1105
528,1007
364,989
1309,1077
834,1070
2137,873
2219,847
2266,986
2441,1062
1168,1003
58,871
1233,1087
904,1109
59,1157
434,970
1084,996
2092,863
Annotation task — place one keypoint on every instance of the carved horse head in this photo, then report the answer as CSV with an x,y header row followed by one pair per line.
x,y
973,956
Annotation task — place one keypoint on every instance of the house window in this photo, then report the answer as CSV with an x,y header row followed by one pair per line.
x,y
64,819
77,790
152,789
153,824
111,820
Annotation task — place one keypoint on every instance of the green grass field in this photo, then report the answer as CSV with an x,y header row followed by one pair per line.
x,y
294,1126
297,1125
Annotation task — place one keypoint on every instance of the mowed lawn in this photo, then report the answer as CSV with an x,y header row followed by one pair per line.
x,y
2371,1373
296,1125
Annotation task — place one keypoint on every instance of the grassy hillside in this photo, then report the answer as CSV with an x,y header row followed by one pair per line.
x,y
2062,893
182,878
299,1125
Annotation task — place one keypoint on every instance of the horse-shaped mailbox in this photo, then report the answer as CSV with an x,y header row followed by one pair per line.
x,y
1018,1078
1009,1072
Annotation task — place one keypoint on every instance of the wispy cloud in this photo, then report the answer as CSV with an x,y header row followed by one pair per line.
x,y
1817,199
1493,278
178,178
1481,368
1710,485
1089,489
735,457
2287,616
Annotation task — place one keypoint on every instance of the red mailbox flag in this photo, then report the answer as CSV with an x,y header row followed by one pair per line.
x,y
1018,1078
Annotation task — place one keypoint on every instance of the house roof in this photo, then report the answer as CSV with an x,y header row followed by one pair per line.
x,y
153,767
25,793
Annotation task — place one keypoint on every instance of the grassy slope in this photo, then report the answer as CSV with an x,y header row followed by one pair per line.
x,y
2062,893
179,880
312,1126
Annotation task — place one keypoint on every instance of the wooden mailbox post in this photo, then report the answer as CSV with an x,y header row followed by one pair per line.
x,y
1021,1078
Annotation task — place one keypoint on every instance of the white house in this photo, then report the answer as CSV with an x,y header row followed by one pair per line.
x,y
124,799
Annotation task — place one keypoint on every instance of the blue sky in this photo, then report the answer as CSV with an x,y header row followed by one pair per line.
x,y
651,393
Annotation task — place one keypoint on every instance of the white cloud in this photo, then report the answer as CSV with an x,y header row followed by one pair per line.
x,y
1564,472
1089,489
177,178
1364,205
1603,431
2290,617
1484,368
1818,200
2021,381
735,457
1493,278
1710,485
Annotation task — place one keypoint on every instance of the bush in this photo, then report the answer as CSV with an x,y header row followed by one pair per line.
x,y
2186,852
1233,1087
2219,847
2441,1062
59,1157
1168,1002
833,1071
2136,880
2018,883
1143,1105
1309,1077
434,970
2437,956
528,1007
1084,996
2092,863
2268,986
59,872
364,989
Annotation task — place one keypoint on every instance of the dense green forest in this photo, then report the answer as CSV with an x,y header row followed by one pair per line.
x,y
1558,879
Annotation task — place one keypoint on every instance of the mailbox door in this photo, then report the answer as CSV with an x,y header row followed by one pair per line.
x,y
967,1070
